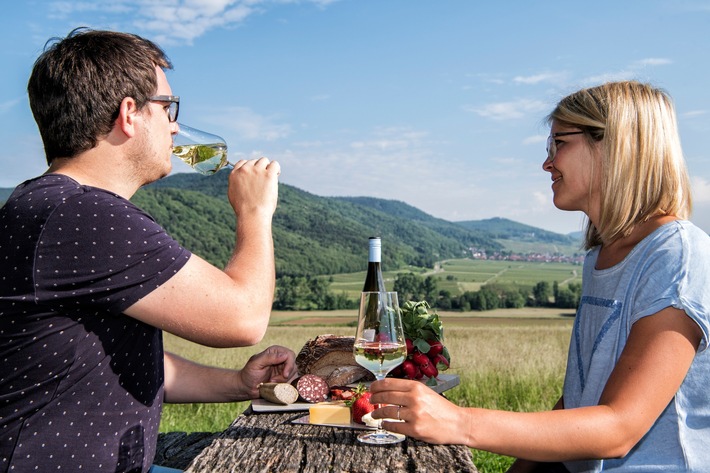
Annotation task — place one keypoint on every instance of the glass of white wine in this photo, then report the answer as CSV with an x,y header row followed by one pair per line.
x,y
204,152
379,347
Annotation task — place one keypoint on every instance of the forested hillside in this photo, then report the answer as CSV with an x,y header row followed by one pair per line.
x,y
502,228
316,235
312,235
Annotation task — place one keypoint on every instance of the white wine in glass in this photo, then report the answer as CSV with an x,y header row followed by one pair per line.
x,y
204,152
379,347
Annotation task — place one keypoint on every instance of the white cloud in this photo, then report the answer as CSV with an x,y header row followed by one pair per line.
x,y
65,9
509,110
608,77
391,139
10,104
249,125
631,72
533,140
538,78
701,189
170,20
694,113
652,61
173,21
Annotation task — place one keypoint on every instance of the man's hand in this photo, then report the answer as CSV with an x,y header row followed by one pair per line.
x,y
276,364
253,186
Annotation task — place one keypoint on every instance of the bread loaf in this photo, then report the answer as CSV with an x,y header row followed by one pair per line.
x,y
331,357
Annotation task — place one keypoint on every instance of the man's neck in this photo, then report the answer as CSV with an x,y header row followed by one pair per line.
x,y
97,169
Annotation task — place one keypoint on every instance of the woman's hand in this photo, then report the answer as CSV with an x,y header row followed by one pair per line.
x,y
427,416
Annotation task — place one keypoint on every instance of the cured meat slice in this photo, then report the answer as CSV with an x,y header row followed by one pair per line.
x,y
312,388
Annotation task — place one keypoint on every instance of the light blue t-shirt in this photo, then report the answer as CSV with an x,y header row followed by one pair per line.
x,y
669,268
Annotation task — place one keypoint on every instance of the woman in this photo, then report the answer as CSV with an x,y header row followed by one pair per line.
x,y
635,391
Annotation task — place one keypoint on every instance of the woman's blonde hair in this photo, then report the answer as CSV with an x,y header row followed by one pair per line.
x,y
643,170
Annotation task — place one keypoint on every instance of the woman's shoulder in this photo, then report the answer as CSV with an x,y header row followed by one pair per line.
x,y
680,233
685,237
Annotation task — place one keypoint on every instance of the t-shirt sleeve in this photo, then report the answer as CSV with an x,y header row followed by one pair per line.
x,y
101,252
678,275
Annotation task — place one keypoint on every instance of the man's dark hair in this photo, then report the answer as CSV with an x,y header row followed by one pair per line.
x,y
78,83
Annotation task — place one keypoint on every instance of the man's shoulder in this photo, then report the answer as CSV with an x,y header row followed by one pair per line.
x,y
60,190
52,190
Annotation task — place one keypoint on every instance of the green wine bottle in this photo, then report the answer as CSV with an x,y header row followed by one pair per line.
x,y
374,280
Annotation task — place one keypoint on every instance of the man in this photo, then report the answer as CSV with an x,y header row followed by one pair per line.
x,y
88,281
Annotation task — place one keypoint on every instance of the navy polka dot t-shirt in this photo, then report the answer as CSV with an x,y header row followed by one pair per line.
x,y
81,384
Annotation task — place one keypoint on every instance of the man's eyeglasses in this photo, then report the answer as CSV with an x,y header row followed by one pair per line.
x,y
174,106
552,145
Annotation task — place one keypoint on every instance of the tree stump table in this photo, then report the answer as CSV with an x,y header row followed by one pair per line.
x,y
270,442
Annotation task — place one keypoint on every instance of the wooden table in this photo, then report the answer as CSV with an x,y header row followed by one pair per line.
x,y
270,442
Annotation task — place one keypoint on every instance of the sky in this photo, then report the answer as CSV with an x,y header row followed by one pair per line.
x,y
440,104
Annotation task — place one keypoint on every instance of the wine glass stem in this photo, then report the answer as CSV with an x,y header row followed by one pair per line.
x,y
380,430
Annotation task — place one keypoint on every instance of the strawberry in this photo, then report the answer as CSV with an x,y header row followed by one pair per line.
x,y
360,405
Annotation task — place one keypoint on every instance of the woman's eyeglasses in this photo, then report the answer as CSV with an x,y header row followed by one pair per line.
x,y
552,145
174,106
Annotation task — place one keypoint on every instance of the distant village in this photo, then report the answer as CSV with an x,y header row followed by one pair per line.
x,y
481,254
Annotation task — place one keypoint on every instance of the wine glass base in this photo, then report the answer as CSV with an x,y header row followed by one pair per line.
x,y
382,437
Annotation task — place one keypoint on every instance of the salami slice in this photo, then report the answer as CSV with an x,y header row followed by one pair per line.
x,y
312,388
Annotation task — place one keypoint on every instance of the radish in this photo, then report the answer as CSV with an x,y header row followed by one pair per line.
x,y
420,358
409,369
435,348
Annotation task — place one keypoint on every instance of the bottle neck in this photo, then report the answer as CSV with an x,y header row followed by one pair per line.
x,y
375,253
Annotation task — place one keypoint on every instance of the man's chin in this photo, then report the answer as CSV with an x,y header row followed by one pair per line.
x,y
158,177
166,172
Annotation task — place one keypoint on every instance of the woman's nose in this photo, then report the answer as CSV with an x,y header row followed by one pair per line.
x,y
547,164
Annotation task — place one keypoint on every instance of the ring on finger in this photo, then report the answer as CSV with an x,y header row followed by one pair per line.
x,y
398,409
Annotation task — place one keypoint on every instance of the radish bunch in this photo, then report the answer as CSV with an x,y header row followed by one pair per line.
x,y
426,353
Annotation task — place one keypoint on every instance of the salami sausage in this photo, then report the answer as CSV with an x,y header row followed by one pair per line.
x,y
312,388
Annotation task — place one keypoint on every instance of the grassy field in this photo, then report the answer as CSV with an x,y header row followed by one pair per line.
x,y
460,275
507,359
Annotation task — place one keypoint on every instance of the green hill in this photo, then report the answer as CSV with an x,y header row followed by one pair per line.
x,y
312,234
316,235
502,228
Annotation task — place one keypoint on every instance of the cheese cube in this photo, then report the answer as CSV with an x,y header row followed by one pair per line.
x,y
334,412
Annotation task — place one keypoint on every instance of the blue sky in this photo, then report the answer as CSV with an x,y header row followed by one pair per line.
x,y
436,103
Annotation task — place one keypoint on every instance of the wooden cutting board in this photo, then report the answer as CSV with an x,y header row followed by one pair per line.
x,y
446,382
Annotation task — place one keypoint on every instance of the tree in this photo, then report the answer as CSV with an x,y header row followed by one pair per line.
x,y
429,289
541,294
514,299
444,301
568,298
308,293
408,286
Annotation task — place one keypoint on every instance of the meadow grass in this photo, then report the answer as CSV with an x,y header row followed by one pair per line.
x,y
509,362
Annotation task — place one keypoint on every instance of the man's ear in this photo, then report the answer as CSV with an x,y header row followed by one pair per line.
x,y
128,114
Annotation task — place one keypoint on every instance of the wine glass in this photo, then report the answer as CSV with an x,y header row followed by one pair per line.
x,y
379,347
204,152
